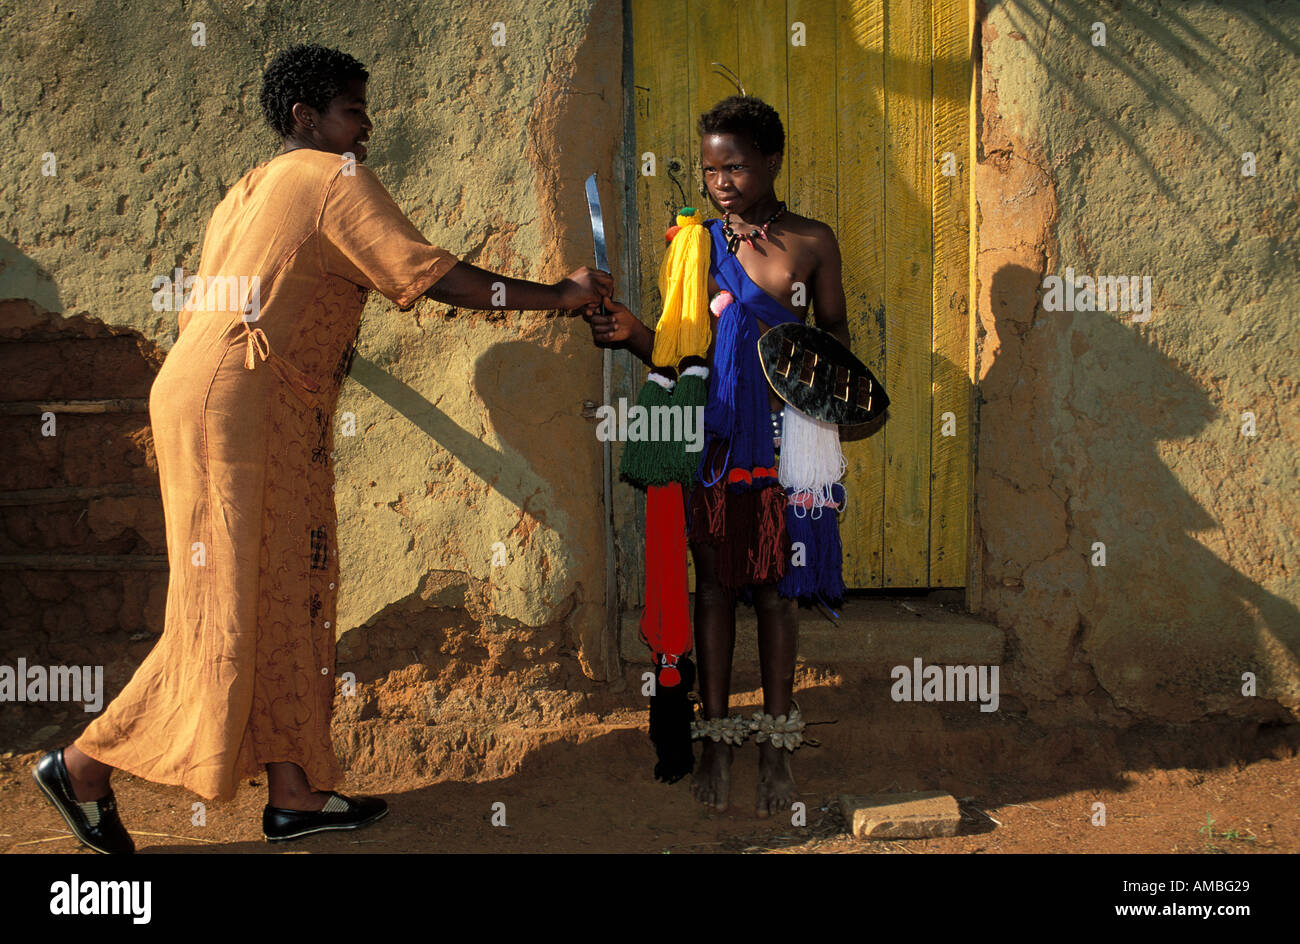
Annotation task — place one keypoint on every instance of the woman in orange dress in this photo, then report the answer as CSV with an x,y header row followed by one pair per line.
x,y
242,417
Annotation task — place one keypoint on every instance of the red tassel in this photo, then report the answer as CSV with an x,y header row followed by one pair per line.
x,y
708,514
770,552
717,508
665,624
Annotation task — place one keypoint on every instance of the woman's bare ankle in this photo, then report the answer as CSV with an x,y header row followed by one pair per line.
x,y
310,802
90,778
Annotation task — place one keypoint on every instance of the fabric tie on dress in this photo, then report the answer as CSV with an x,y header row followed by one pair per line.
x,y
259,345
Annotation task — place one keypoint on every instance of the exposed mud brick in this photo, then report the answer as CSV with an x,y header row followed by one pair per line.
x,y
94,491
75,367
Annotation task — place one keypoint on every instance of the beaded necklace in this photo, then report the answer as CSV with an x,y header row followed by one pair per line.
x,y
733,239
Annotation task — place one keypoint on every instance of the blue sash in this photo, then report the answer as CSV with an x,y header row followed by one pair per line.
x,y
737,409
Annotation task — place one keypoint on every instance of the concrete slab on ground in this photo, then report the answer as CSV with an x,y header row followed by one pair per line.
x,y
901,815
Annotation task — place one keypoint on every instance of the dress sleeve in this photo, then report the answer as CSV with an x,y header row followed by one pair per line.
x,y
365,238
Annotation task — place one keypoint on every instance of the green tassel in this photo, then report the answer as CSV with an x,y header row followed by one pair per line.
x,y
690,395
643,462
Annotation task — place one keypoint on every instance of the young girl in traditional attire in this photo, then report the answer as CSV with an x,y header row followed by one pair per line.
x,y
760,532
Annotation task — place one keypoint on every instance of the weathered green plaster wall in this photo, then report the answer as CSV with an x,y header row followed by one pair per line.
x,y
1126,159
469,425
1123,159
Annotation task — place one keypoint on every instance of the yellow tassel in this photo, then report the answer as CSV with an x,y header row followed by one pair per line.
x,y
684,327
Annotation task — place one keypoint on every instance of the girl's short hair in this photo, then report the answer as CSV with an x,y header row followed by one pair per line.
x,y
313,75
748,116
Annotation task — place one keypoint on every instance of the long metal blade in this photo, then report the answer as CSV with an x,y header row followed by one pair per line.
x,y
612,615
597,224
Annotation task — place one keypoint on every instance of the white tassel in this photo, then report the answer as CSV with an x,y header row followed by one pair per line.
x,y
811,459
662,381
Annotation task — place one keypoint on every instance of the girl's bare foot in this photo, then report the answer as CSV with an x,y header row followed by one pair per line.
x,y
711,784
776,790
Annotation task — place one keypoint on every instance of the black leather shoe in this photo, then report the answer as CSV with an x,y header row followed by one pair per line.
x,y
108,835
279,825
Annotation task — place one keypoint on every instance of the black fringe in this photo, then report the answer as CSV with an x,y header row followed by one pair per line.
x,y
671,713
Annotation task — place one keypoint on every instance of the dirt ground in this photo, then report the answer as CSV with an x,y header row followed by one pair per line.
x,y
589,789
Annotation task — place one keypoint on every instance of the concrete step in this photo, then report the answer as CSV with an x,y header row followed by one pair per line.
x,y
873,634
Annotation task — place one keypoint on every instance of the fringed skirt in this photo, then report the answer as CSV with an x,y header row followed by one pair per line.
x,y
744,520
759,537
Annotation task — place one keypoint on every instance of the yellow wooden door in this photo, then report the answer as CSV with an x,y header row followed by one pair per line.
x,y
876,102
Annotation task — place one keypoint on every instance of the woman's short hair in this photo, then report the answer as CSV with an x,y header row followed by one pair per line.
x,y
747,116
313,75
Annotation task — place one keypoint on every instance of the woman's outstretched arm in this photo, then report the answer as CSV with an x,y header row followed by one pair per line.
x,y
468,286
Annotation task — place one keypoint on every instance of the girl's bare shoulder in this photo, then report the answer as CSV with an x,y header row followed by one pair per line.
x,y
805,227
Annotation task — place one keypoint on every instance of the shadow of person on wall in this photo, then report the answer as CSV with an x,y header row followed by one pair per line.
x,y
1088,432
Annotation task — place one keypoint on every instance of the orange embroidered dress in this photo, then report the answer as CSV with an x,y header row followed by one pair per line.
x,y
243,426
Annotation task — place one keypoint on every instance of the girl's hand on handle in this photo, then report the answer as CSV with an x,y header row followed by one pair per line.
x,y
584,287
613,327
